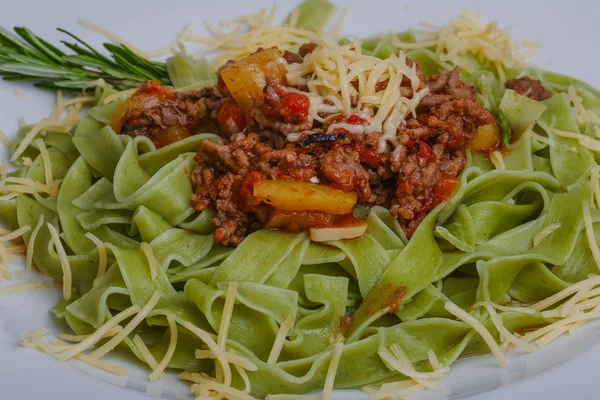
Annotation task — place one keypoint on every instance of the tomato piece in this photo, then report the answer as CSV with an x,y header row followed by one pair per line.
x,y
230,111
369,155
355,120
445,187
294,108
425,154
247,188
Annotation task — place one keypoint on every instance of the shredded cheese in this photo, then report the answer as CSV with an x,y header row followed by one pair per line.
x,y
45,160
227,313
594,178
160,368
394,390
397,360
4,139
99,334
22,287
80,338
244,375
101,256
206,384
101,364
504,333
30,247
467,34
336,355
232,358
152,262
497,159
584,140
349,80
36,341
64,262
479,327
280,339
145,352
220,357
239,37
583,116
141,315
589,231
15,234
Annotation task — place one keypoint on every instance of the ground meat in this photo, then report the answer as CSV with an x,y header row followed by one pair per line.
x,y
154,108
531,88
306,49
280,111
404,178
292,58
432,143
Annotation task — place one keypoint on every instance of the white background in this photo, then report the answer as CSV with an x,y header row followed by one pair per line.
x,y
569,29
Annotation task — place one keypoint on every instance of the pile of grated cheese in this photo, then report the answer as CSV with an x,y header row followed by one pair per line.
x,y
467,34
347,80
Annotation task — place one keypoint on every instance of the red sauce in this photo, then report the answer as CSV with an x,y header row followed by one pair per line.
x,y
231,111
247,189
355,120
397,300
441,191
368,155
294,107
425,153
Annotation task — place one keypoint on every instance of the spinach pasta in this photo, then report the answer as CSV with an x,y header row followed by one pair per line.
x,y
317,213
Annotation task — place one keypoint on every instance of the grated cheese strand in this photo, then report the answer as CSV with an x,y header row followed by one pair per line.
x,y
145,352
479,327
227,313
140,316
563,294
21,287
222,390
244,375
152,262
280,339
160,368
4,139
102,256
232,358
99,334
15,234
80,338
397,360
64,262
101,364
589,231
214,347
505,333
45,160
336,355
36,230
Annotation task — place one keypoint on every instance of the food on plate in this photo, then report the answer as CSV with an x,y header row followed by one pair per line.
x,y
286,209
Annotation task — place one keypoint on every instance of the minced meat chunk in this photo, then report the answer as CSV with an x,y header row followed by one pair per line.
x,y
406,179
531,88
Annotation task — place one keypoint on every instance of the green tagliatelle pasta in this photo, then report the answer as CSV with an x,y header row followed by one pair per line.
x,y
483,244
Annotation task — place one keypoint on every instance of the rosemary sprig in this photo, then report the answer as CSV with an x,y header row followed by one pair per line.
x,y
25,56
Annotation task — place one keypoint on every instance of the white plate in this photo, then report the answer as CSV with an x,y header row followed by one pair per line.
x,y
569,30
